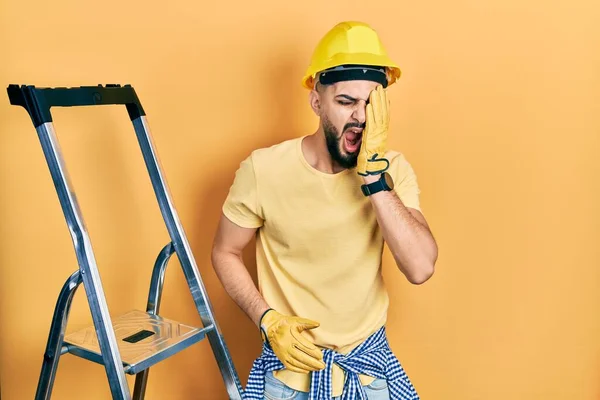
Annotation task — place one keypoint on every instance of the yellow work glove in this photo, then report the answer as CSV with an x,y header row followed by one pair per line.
x,y
284,334
371,158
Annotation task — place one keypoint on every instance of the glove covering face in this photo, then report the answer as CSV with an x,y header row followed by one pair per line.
x,y
371,159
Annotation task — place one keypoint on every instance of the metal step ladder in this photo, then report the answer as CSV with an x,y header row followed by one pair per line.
x,y
130,343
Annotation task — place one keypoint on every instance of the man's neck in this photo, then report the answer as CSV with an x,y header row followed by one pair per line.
x,y
314,148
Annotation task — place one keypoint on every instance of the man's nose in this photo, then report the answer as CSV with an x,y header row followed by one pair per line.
x,y
359,112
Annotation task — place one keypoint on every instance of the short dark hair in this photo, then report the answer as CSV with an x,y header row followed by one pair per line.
x,y
320,87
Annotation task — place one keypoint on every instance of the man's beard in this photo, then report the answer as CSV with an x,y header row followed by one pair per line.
x,y
334,144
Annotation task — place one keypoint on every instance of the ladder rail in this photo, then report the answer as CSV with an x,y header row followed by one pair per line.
x,y
153,307
158,278
87,263
186,258
55,338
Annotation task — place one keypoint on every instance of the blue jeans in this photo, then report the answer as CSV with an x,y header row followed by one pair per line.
x,y
277,390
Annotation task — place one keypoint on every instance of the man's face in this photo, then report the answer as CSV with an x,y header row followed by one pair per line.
x,y
343,118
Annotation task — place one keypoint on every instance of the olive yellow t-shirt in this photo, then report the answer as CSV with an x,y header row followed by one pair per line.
x,y
318,245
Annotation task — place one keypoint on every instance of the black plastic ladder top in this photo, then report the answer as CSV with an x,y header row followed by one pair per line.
x,y
37,101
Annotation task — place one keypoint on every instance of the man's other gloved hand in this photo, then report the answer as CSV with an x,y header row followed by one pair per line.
x,y
371,158
284,334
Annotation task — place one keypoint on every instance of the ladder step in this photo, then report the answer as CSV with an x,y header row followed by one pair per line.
x,y
143,339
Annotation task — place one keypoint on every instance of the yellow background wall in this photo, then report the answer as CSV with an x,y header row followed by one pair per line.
x,y
498,110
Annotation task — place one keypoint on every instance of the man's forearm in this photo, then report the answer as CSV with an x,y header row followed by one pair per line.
x,y
238,283
410,241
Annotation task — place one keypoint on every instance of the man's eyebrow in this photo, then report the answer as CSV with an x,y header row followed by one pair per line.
x,y
348,97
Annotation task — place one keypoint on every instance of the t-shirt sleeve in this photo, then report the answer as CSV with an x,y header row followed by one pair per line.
x,y
242,205
405,182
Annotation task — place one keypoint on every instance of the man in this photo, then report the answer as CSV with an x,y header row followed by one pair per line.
x,y
321,206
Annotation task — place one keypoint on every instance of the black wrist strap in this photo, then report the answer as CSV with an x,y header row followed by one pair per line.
x,y
371,188
262,316
260,328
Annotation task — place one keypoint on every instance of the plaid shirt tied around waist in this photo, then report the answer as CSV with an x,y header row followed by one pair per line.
x,y
372,357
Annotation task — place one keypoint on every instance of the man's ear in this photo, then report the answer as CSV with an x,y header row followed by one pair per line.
x,y
315,101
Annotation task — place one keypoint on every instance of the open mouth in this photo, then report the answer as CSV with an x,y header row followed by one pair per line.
x,y
352,140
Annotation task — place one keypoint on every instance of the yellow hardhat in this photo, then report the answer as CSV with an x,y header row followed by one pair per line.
x,y
350,43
